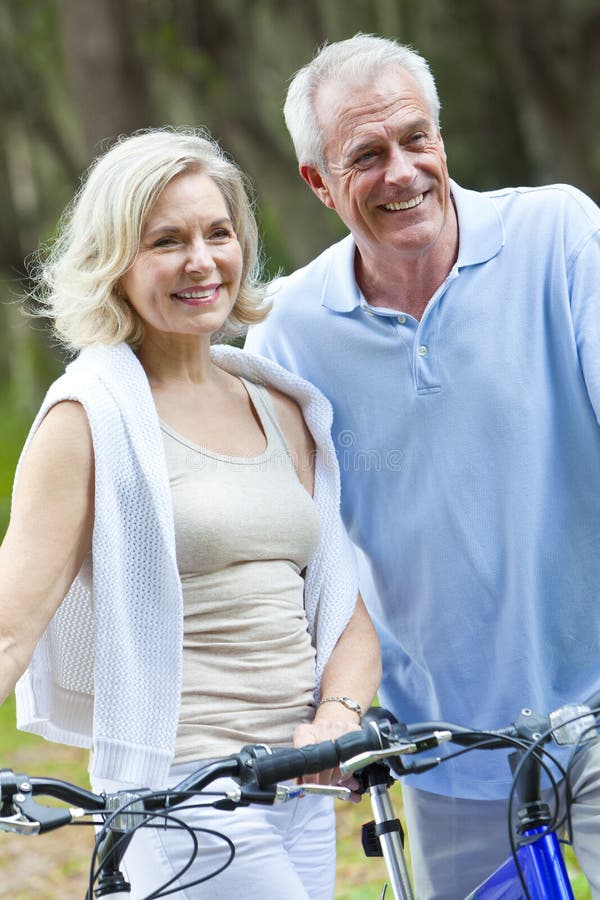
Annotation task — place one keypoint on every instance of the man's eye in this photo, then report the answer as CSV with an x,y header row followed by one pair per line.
x,y
419,137
366,157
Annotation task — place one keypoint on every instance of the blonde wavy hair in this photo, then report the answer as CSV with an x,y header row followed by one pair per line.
x,y
76,279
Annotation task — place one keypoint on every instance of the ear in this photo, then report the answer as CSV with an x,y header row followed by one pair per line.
x,y
317,184
441,140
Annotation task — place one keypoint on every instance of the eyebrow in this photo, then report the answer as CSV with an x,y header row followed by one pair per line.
x,y
420,124
175,229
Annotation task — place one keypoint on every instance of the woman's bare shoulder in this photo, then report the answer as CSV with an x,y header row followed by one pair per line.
x,y
290,416
60,448
297,435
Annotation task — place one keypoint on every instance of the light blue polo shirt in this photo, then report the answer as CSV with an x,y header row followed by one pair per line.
x,y
469,448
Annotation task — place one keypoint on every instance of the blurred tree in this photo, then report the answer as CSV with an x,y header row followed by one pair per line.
x,y
231,60
519,84
39,163
550,55
107,72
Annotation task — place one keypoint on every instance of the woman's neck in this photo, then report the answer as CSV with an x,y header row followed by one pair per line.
x,y
169,358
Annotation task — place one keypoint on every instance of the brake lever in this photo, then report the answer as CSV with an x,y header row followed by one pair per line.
x,y
279,793
401,748
372,756
34,818
19,824
291,792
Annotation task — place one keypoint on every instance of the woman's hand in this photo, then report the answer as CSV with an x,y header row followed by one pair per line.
x,y
331,721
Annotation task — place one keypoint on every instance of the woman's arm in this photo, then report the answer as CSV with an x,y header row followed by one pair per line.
x,y
353,671
354,667
49,534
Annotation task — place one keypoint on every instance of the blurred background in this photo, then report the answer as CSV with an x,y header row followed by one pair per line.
x,y
519,84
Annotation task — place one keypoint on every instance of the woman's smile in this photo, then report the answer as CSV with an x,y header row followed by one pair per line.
x,y
199,296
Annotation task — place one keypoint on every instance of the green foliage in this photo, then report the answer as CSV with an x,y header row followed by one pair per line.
x,y
15,425
579,884
35,756
37,33
8,739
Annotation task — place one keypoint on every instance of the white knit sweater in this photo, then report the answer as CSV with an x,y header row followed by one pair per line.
x,y
106,674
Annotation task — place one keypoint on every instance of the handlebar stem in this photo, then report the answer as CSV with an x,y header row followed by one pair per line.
x,y
389,831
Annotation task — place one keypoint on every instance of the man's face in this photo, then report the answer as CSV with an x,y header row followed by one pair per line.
x,y
386,167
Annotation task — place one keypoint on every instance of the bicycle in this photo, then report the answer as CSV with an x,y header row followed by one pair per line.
x,y
376,754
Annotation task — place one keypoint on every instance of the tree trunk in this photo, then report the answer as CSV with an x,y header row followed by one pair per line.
x,y
550,58
108,77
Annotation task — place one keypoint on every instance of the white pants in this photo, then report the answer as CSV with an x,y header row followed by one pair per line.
x,y
456,843
284,852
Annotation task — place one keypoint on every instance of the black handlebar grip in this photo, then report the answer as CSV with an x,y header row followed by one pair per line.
x,y
355,742
294,763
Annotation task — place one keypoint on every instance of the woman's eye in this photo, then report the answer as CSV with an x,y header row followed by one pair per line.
x,y
164,242
221,234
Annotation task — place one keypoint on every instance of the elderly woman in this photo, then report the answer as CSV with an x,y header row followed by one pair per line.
x,y
175,581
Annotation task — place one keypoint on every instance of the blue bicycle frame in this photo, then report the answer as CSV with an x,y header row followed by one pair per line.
x,y
543,868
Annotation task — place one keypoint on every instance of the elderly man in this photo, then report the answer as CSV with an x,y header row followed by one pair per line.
x,y
457,335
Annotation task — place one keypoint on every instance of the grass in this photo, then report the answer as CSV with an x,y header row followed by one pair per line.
x,y
54,864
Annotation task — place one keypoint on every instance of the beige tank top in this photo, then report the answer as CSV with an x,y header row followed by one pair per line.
x,y
245,528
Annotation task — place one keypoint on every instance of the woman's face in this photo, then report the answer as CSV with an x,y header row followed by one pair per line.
x,y
186,275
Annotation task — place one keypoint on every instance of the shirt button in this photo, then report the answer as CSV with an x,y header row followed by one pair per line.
x,y
423,350
369,312
402,319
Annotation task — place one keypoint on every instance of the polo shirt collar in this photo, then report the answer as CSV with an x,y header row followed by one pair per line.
x,y
340,292
480,227
481,237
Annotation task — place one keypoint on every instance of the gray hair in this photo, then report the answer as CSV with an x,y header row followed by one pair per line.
x,y
76,282
361,57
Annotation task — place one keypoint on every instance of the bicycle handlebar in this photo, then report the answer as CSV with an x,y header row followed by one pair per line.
x,y
381,738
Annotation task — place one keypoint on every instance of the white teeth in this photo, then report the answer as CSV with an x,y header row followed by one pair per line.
x,y
195,295
405,204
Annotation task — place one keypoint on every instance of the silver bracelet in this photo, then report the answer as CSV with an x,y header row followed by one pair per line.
x,y
348,702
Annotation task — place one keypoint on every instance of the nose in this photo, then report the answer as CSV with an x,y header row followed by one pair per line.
x,y
199,257
399,169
